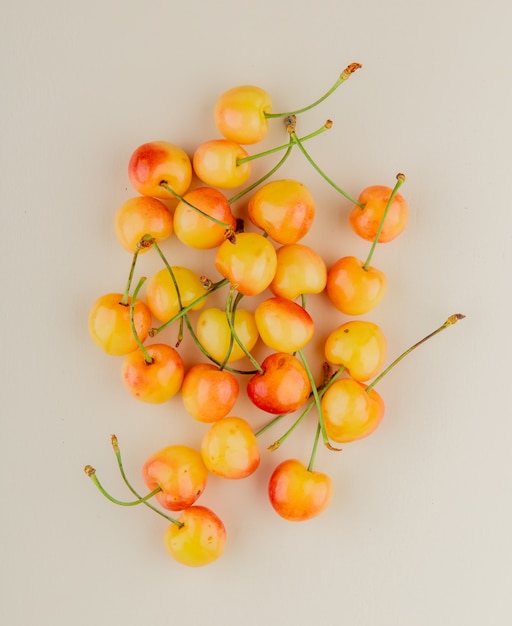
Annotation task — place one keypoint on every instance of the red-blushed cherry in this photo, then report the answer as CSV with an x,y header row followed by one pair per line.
x,y
239,114
157,161
351,412
230,449
209,393
284,209
198,538
282,386
366,218
352,289
157,381
297,493
180,473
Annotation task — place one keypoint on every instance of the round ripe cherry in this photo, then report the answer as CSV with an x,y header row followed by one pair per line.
x,y
365,220
208,392
249,262
350,412
154,382
300,270
155,161
230,448
196,230
215,162
282,387
180,473
298,494
284,209
352,289
141,216
199,541
239,114
162,297
110,327
360,346
283,325
214,333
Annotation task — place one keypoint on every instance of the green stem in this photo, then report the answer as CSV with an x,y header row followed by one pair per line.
x,y
453,319
126,294
284,146
347,72
400,179
231,314
315,448
298,142
168,188
91,472
234,334
145,353
117,452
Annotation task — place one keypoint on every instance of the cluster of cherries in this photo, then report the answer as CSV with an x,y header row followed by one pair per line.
x,y
267,261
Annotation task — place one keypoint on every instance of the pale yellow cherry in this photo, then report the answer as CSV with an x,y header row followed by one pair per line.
x,y
300,270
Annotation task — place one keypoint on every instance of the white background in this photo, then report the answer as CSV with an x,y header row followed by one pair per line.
x,y
418,531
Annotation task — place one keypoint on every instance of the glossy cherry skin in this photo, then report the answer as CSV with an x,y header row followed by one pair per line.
x,y
300,270
282,387
155,161
365,220
284,209
360,346
196,230
154,382
141,216
199,541
350,412
230,449
209,393
249,262
298,494
283,325
215,162
214,333
352,289
180,473
110,327
239,114
162,297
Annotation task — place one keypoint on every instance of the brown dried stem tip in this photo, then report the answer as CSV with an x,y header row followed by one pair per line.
x,y
349,70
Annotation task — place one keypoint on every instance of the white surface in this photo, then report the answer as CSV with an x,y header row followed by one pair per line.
x,y
418,532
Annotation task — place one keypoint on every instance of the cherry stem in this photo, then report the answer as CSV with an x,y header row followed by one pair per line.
x,y
230,318
178,294
284,146
167,187
347,72
117,452
298,142
91,472
453,319
214,287
147,357
126,294
316,396
400,179
315,447
230,313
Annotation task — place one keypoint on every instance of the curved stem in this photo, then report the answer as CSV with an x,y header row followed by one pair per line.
x,y
168,188
126,294
449,322
298,142
145,353
234,333
347,72
400,179
315,448
91,472
117,452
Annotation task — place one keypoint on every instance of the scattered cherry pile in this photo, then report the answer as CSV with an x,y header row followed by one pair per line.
x,y
257,253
